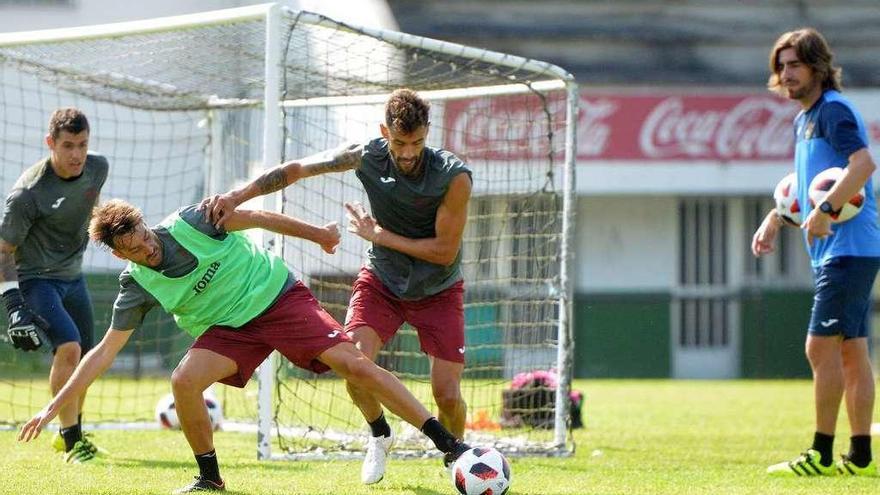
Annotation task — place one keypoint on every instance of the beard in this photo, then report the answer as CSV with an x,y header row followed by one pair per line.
x,y
800,92
412,167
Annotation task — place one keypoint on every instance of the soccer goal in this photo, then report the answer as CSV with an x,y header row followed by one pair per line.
x,y
191,105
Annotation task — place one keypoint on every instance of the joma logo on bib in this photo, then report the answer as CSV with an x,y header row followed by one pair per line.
x,y
206,278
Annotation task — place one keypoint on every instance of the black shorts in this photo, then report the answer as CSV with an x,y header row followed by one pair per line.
x,y
843,296
66,306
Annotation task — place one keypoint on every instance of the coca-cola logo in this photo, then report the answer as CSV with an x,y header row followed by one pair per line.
x,y
625,127
594,131
758,127
503,129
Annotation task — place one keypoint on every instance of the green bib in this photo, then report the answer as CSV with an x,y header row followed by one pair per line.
x,y
234,281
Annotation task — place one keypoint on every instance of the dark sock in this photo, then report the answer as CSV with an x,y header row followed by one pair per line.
x,y
824,444
438,434
71,435
379,427
208,467
860,450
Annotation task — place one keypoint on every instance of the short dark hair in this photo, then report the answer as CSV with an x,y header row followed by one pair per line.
x,y
67,119
406,111
812,50
112,219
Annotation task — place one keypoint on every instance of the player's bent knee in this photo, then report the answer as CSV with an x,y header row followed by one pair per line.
x,y
182,380
448,401
367,341
361,371
68,354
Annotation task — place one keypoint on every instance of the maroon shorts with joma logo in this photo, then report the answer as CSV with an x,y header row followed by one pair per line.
x,y
296,326
438,319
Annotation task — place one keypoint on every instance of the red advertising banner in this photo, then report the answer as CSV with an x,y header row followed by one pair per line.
x,y
717,127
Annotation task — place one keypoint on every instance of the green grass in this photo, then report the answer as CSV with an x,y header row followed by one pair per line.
x,y
641,437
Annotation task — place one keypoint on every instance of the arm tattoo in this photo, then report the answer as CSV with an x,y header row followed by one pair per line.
x,y
271,181
346,159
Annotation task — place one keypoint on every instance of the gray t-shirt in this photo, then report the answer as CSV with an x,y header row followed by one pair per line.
x,y
47,218
133,302
408,207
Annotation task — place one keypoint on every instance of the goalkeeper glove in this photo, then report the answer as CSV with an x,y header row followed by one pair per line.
x,y
26,329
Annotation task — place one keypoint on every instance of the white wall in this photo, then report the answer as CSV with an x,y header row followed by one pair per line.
x,y
639,178
625,244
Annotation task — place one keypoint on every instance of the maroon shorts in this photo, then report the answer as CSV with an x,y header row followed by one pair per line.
x,y
296,326
438,319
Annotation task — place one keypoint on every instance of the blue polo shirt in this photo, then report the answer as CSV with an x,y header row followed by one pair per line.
x,y
826,135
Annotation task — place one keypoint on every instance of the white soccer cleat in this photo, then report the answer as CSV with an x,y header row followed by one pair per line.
x,y
373,469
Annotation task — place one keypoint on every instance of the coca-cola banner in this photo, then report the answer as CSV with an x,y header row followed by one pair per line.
x,y
697,127
724,127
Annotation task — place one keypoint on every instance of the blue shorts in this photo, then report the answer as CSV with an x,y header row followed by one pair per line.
x,y
843,296
67,307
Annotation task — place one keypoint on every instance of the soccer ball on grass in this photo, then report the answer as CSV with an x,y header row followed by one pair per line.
x,y
481,471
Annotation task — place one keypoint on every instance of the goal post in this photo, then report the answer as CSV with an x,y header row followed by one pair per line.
x,y
513,121
192,105
159,94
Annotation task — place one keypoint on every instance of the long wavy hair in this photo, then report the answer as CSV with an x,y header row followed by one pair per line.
x,y
812,50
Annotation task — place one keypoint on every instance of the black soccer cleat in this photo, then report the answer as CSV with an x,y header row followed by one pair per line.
x,y
450,457
201,484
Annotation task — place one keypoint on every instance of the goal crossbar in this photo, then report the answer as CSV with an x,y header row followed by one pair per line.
x,y
437,94
398,38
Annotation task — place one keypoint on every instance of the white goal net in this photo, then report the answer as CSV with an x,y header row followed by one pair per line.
x,y
187,106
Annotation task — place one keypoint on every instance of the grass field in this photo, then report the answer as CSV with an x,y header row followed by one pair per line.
x,y
641,437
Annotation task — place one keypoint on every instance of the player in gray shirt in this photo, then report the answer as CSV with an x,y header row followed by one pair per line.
x,y
43,234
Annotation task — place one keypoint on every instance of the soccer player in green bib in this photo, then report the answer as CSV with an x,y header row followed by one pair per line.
x,y
239,302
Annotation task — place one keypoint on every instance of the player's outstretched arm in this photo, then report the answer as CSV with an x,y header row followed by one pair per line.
x,y
327,236
91,367
441,249
217,208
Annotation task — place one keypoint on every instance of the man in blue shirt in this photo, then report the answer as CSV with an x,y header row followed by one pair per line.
x,y
829,132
